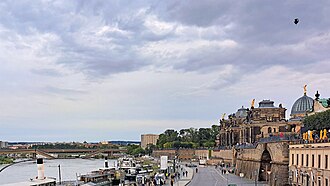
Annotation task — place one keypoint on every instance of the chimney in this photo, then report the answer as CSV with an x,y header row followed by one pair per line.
x,y
106,164
41,169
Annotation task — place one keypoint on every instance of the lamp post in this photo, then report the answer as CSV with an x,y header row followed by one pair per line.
x,y
290,177
59,174
227,172
268,172
241,175
174,164
255,177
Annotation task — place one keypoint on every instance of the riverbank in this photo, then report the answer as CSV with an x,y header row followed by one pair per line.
x,y
13,163
5,160
70,168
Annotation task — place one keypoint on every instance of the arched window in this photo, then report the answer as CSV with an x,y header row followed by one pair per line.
x,y
274,130
269,130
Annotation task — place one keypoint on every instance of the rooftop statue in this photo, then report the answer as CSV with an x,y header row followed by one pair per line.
x,y
252,104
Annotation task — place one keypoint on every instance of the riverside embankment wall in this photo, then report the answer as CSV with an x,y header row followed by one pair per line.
x,y
246,160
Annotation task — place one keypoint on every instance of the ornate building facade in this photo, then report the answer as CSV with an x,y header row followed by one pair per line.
x,y
259,138
309,162
249,125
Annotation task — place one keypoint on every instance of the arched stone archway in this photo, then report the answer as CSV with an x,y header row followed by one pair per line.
x,y
265,166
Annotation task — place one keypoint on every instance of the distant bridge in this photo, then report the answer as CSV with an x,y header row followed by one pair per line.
x,y
47,152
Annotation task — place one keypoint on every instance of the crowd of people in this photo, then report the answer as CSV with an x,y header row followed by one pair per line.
x,y
160,179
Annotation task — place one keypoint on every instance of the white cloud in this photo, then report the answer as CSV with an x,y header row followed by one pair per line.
x,y
158,27
97,64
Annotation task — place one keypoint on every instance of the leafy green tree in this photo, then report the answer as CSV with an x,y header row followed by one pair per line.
x,y
176,144
188,138
168,145
5,160
150,148
318,121
169,135
209,144
135,150
138,151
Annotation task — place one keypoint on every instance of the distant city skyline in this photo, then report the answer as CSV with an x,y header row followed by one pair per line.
x,y
113,70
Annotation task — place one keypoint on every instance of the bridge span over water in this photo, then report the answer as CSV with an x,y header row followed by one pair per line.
x,y
48,153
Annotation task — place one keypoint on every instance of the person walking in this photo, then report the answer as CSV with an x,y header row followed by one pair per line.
x,y
196,170
186,173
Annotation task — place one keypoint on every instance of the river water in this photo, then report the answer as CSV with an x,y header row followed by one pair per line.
x,y
69,168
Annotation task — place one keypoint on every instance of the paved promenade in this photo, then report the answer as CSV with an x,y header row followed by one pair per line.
x,y
184,180
209,176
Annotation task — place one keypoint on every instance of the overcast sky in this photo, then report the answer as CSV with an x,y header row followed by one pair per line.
x,y
112,70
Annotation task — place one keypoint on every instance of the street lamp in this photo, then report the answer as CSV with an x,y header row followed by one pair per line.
x,y
174,164
255,177
241,175
268,172
275,179
290,177
227,172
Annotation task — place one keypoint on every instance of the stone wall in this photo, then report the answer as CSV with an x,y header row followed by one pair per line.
x,y
249,168
224,156
171,153
249,162
202,153
186,154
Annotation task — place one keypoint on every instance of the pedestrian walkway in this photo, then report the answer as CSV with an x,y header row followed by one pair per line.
x,y
210,176
184,180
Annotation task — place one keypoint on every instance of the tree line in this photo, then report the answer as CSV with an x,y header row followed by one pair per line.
x,y
188,138
318,121
184,138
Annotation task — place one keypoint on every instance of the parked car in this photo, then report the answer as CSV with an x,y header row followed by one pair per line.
x,y
191,165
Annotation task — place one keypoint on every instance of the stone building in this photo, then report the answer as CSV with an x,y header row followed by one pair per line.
x,y
309,164
306,106
3,144
147,139
248,126
260,136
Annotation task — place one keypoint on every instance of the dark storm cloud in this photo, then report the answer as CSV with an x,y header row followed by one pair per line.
x,y
102,37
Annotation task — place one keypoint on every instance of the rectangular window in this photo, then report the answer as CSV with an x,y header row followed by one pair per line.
x,y
313,160
326,161
319,181
319,161
292,159
302,160
326,182
307,160
297,159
